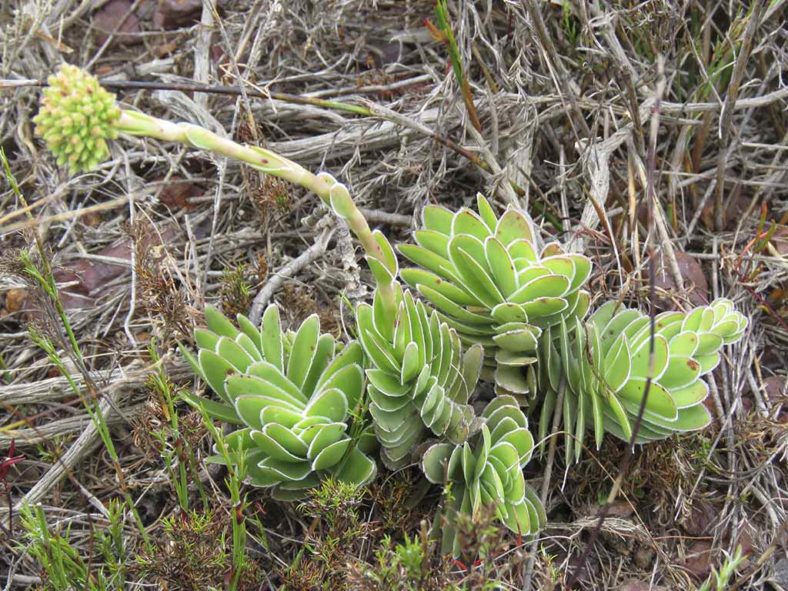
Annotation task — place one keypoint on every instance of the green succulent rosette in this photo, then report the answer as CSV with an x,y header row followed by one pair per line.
x,y
488,470
296,397
607,369
76,118
495,285
421,379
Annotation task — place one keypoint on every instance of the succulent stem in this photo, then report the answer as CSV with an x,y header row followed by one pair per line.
x,y
329,189
142,125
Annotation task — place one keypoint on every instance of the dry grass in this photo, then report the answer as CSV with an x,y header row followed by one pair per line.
x,y
565,93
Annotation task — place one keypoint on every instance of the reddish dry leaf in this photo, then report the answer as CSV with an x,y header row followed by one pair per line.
x,y
171,14
218,55
701,520
15,299
746,539
84,280
746,405
776,393
620,509
775,389
699,558
735,206
696,288
107,18
177,192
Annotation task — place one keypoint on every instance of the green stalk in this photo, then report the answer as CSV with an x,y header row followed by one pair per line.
x,y
330,191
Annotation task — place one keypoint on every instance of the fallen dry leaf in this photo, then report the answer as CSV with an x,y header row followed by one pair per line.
x,y
171,14
177,192
620,509
107,18
696,288
84,280
15,299
734,208
775,389
698,559
701,518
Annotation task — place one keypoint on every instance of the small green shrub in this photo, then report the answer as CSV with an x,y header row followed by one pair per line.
x,y
63,565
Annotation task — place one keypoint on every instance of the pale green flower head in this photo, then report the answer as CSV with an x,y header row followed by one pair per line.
x,y
76,118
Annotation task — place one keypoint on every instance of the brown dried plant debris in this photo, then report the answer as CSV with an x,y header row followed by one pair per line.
x,y
160,294
563,103
299,302
192,552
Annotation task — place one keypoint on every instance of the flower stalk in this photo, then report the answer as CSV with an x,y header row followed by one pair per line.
x,y
78,116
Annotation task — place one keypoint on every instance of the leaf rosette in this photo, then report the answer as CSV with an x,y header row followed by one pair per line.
x,y
296,396
488,470
493,283
607,371
421,379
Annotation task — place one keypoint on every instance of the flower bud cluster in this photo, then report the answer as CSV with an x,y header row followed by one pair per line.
x,y
76,118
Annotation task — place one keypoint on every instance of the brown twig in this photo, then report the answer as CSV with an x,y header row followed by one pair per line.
x,y
753,22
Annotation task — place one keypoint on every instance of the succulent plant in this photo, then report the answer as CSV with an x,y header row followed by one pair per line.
x,y
296,397
76,118
607,369
488,470
493,283
420,380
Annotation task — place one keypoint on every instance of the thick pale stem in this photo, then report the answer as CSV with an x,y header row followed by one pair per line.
x,y
344,206
139,124
331,192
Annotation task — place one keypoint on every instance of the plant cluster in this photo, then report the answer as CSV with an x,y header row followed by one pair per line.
x,y
495,304
193,552
296,396
63,564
